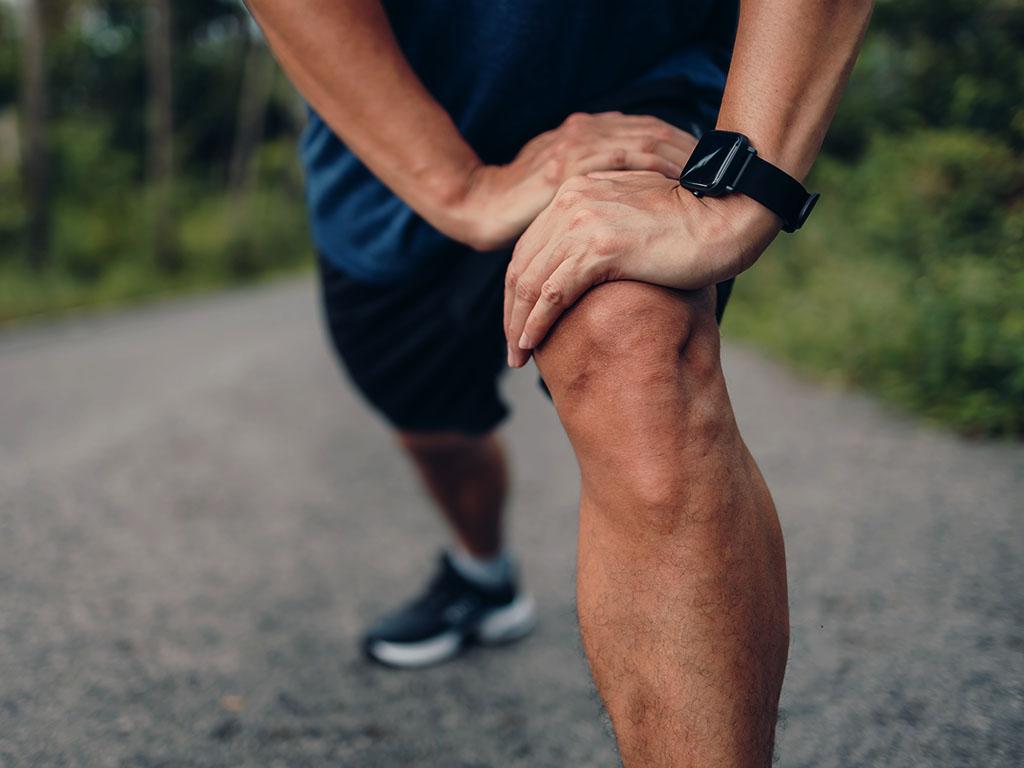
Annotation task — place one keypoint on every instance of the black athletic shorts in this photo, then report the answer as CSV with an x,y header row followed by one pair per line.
x,y
427,351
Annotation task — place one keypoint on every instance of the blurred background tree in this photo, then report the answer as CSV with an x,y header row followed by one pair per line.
x,y
35,162
149,147
158,39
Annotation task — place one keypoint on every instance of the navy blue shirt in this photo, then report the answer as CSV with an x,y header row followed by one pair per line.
x,y
505,70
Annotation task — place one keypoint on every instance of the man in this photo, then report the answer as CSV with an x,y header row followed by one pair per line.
x,y
560,127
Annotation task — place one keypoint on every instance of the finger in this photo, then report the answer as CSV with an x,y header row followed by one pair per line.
x,y
652,138
627,160
652,123
677,155
510,287
647,125
528,245
620,118
642,143
560,291
620,175
528,290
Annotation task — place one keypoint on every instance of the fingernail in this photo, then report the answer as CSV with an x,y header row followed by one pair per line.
x,y
524,342
508,348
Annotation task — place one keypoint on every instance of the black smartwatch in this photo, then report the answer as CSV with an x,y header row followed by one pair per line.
x,y
724,162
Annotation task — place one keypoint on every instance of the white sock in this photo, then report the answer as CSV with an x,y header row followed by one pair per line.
x,y
486,572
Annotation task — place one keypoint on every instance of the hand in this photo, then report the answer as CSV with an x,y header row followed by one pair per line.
x,y
624,226
499,202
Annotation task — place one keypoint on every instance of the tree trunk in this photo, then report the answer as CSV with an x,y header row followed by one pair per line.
x,y
35,157
258,72
160,160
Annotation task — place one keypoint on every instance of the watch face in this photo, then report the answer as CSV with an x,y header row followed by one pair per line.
x,y
710,159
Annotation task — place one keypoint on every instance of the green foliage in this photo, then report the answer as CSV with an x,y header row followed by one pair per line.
x,y
103,260
97,211
264,232
101,209
910,283
938,64
932,195
909,280
100,250
12,215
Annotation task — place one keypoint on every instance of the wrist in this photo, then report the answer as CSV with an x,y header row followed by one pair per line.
x,y
791,151
724,163
452,203
737,229
443,190
750,220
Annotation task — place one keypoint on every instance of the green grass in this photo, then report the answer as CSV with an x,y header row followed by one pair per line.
x,y
101,254
27,297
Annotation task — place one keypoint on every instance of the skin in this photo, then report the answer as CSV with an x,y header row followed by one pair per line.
x,y
681,576
467,476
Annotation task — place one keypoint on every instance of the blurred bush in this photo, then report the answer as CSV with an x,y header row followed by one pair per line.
x,y
265,231
909,278
936,64
910,282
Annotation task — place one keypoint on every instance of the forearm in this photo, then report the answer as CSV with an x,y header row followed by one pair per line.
x,y
343,58
790,64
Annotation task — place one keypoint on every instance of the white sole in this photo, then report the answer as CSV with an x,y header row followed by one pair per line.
x,y
515,620
414,655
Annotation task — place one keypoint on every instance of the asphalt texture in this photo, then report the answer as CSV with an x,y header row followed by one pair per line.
x,y
197,516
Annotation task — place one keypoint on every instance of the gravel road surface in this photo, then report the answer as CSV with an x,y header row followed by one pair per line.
x,y
197,516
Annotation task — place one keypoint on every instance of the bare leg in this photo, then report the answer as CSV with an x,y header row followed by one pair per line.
x,y
468,478
681,576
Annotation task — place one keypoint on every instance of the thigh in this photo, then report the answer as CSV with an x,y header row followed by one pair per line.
x,y
425,352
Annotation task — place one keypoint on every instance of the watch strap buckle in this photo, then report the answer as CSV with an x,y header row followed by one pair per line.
x,y
805,211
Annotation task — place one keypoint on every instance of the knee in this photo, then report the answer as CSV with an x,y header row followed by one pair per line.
x,y
632,340
636,377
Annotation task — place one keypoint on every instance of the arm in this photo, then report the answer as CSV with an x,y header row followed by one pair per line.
x,y
790,63
343,58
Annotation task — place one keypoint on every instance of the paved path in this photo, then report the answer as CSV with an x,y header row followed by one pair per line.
x,y
196,517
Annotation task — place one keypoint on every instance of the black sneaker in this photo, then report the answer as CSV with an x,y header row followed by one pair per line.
x,y
435,626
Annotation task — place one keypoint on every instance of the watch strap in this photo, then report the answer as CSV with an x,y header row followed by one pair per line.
x,y
777,191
